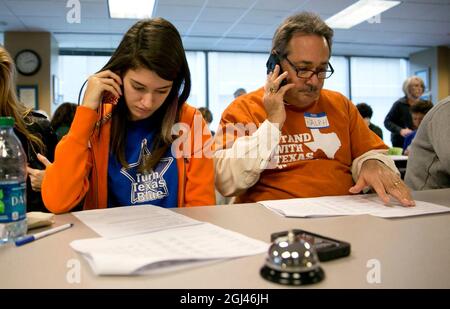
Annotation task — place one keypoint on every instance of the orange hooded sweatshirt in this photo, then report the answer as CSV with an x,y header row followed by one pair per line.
x,y
81,163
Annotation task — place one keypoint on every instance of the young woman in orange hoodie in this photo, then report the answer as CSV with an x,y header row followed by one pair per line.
x,y
124,146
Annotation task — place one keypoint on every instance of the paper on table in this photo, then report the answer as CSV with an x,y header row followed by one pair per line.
x,y
348,205
162,250
132,220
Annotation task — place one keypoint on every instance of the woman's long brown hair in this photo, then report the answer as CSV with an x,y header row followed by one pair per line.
x,y
156,45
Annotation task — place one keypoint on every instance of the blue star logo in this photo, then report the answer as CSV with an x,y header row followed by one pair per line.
x,y
150,185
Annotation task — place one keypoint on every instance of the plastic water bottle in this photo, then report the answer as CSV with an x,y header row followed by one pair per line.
x,y
13,162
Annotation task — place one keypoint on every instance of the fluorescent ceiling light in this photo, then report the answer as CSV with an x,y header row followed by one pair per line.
x,y
132,9
359,12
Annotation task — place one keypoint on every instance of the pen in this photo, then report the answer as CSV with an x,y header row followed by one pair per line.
x,y
29,238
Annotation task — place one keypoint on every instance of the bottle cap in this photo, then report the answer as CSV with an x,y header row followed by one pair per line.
x,y
6,121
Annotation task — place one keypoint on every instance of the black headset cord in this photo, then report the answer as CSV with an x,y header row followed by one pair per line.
x,y
81,90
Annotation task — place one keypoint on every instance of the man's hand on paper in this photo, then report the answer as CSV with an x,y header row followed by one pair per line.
x,y
384,181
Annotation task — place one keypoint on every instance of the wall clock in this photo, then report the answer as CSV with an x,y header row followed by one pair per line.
x,y
28,62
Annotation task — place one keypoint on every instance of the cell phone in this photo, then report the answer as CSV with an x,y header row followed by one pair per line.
x,y
273,60
109,98
327,248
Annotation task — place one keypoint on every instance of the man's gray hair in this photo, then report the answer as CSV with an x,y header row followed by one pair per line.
x,y
305,22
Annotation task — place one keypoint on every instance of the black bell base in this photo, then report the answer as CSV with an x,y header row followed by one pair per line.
x,y
293,278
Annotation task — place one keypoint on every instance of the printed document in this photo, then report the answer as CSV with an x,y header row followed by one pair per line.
x,y
347,205
162,250
125,221
150,239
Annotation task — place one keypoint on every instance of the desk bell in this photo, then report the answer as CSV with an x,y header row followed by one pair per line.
x,y
291,260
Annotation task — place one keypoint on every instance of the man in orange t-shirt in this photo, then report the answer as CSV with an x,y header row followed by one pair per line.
x,y
294,139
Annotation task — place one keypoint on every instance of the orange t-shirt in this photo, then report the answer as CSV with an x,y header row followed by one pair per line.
x,y
316,149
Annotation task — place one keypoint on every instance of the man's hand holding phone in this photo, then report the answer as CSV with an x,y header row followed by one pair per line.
x,y
103,87
273,96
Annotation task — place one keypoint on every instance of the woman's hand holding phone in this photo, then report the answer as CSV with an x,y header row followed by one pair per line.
x,y
273,96
104,87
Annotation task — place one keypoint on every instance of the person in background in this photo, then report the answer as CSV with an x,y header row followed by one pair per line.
x,y
299,140
429,160
239,92
62,119
366,112
32,128
418,111
126,142
207,115
399,120
42,113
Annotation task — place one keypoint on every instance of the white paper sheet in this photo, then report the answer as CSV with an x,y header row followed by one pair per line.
x,y
348,205
165,250
132,220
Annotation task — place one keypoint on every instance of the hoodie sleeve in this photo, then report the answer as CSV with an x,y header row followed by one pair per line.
x,y
66,180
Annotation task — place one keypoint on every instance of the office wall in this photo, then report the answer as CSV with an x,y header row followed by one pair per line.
x,y
54,75
44,44
443,53
426,60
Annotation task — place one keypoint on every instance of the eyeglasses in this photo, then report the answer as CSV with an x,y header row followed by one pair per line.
x,y
307,74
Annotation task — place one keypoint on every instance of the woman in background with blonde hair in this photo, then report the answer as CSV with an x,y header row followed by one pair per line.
x,y
33,130
399,119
